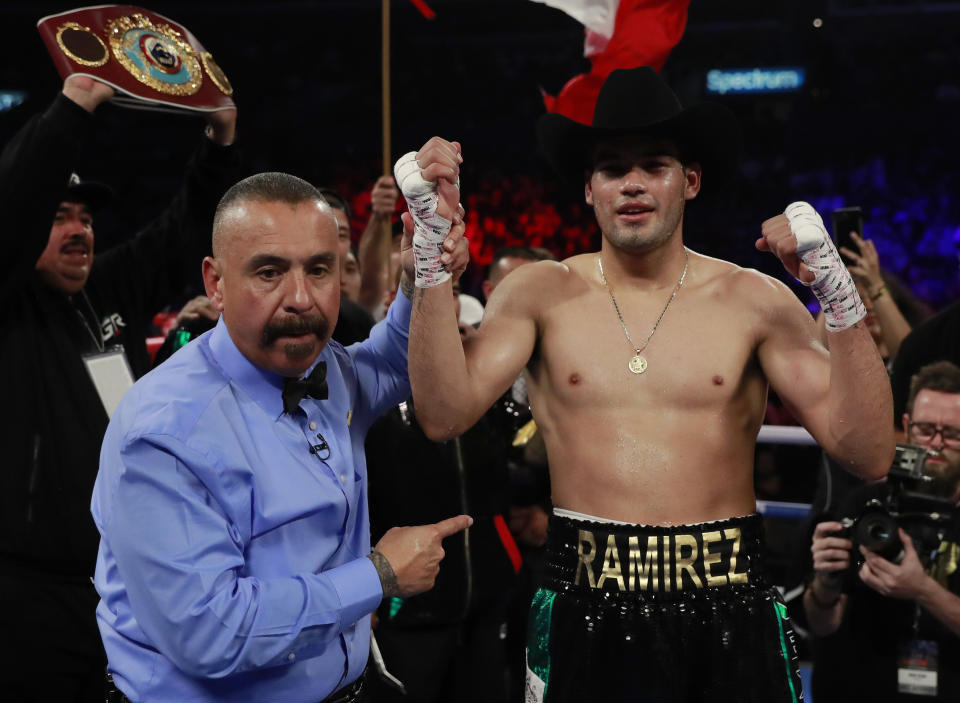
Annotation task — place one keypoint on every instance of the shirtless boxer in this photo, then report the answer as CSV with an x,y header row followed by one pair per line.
x,y
647,366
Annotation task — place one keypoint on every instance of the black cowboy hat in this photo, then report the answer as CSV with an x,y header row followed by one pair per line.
x,y
637,101
93,194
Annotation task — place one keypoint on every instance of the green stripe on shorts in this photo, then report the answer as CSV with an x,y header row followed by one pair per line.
x,y
781,613
538,634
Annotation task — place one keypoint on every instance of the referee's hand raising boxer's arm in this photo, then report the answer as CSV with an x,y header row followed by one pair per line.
x,y
451,389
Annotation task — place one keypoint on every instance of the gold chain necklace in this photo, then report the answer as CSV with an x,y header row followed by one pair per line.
x,y
638,363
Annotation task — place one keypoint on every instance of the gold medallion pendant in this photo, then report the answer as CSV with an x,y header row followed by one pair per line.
x,y
637,364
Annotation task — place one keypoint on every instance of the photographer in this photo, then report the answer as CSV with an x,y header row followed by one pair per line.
x,y
890,629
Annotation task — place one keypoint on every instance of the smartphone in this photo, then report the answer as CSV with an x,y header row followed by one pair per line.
x,y
845,221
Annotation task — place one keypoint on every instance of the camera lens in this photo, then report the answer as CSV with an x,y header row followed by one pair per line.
x,y
877,531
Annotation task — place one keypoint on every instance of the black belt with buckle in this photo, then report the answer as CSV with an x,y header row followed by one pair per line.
x,y
349,693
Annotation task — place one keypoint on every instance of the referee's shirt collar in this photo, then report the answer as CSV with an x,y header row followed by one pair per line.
x,y
265,387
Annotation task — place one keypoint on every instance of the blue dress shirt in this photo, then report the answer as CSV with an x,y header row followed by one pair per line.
x,y
232,562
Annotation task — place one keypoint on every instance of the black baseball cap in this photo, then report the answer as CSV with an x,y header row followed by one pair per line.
x,y
93,194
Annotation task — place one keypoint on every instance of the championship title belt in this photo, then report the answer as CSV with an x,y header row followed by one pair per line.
x,y
151,61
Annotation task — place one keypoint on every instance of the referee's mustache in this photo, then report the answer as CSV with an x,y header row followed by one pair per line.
x,y
316,324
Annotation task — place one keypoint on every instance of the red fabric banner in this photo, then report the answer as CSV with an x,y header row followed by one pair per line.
x,y
644,34
424,9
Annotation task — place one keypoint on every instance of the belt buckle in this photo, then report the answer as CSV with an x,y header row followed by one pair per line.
x,y
348,694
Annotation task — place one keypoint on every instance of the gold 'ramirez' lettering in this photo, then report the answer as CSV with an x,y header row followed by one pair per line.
x,y
732,575
710,558
585,558
661,563
643,574
611,564
685,563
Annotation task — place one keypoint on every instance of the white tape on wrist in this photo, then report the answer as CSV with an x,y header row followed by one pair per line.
x,y
429,229
833,285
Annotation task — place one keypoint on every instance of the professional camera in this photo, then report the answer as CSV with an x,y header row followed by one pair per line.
x,y
911,498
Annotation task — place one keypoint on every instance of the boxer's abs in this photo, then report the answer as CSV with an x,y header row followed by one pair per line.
x,y
655,468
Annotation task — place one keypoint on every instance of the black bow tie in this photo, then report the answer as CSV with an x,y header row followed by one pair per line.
x,y
314,385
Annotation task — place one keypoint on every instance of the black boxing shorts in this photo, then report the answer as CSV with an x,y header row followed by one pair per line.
x,y
640,614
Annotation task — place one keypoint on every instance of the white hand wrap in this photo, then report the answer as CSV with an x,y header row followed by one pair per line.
x,y
429,229
833,285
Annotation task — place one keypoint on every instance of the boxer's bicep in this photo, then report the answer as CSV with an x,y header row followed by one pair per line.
x,y
796,363
499,351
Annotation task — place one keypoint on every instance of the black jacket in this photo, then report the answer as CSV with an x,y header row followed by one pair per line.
x,y
54,418
414,481
935,339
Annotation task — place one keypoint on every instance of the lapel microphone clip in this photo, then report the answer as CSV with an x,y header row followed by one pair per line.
x,y
321,450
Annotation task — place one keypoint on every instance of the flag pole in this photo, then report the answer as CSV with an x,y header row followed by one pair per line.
x,y
385,123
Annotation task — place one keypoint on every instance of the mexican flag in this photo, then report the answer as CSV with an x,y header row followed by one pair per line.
x,y
618,34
